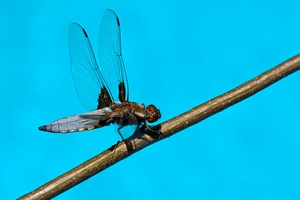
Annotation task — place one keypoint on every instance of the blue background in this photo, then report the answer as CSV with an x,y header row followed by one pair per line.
x,y
178,54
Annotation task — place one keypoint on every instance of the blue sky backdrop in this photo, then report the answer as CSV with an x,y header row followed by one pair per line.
x,y
178,54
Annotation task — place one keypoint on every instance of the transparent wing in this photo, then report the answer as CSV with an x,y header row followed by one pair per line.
x,y
87,78
111,61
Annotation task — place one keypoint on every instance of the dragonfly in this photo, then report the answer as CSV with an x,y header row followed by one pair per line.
x,y
102,90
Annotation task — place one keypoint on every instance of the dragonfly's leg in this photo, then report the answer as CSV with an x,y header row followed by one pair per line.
x,y
120,132
150,131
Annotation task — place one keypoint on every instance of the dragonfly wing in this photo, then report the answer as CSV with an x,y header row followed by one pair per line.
x,y
87,77
111,61
99,115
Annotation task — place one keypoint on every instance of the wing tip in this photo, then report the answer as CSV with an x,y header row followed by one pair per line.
x,y
85,34
118,22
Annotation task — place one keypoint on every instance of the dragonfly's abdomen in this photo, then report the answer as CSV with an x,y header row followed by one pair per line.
x,y
69,124
77,123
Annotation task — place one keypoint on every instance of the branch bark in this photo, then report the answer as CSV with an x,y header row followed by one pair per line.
x,y
140,140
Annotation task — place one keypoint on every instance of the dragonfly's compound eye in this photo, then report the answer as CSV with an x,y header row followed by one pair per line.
x,y
153,113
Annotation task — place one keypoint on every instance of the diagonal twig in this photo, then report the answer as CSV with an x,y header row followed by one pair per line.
x,y
140,140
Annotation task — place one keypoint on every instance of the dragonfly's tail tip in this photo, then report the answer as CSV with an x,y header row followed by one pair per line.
x,y
42,128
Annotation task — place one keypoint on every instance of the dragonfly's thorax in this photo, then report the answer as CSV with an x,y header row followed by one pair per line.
x,y
127,113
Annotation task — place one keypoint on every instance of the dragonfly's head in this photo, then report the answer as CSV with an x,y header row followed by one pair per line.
x,y
153,114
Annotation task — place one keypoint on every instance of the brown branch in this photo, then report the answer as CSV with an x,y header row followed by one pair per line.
x,y
139,140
